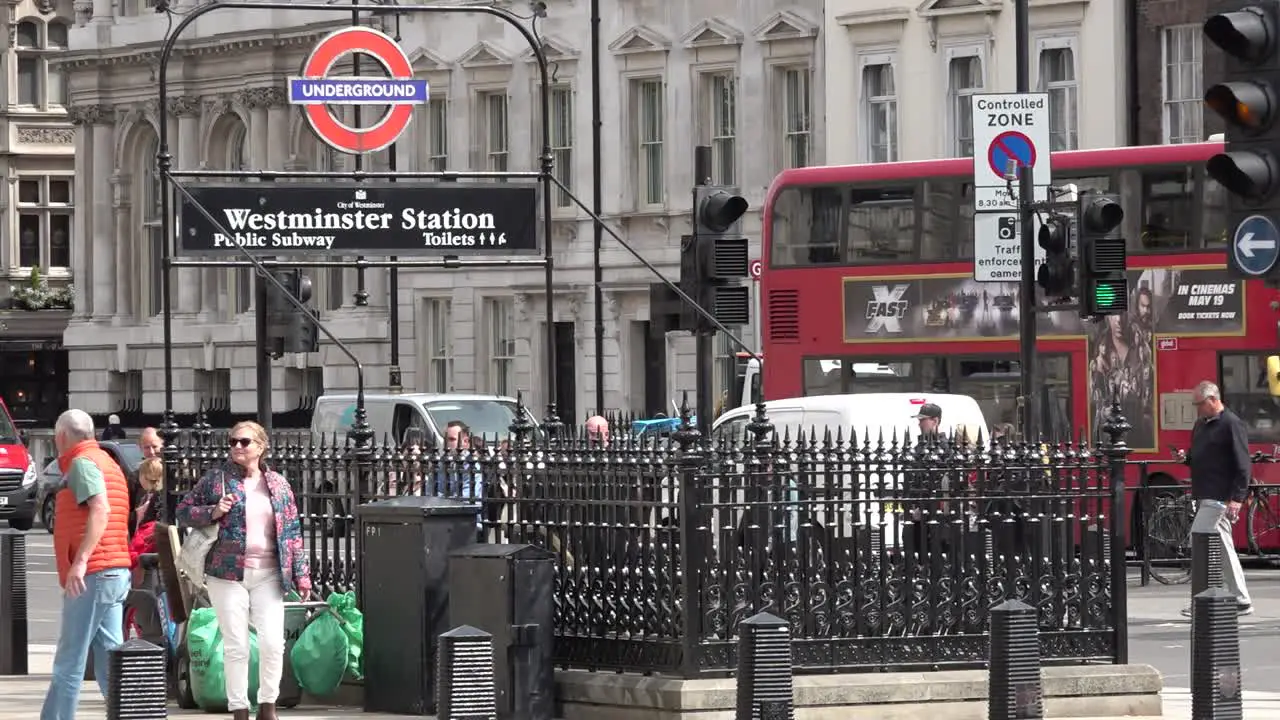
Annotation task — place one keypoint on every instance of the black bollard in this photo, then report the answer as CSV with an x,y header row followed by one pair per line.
x,y
465,683
764,669
1206,562
13,603
136,683
1014,689
1215,656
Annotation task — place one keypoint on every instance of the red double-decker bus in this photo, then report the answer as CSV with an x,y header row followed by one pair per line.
x,y
868,286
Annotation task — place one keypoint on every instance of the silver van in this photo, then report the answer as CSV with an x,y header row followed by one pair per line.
x,y
391,416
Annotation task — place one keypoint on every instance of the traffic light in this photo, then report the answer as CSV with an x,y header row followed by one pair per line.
x,y
1103,286
713,260
1057,274
1246,99
288,328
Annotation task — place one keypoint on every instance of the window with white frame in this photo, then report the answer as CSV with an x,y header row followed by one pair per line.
x,y
501,314
494,130
965,78
37,43
562,142
796,84
437,134
1183,115
648,99
44,222
1058,79
720,124
880,106
439,345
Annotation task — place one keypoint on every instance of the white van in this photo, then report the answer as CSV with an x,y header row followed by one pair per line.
x,y
488,416
869,415
864,417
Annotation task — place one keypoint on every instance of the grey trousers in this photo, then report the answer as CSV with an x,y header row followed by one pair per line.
x,y
1211,517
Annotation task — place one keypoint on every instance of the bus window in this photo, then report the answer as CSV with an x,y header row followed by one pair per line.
x,y
995,383
1246,391
948,220
1168,208
1213,220
806,227
840,376
881,225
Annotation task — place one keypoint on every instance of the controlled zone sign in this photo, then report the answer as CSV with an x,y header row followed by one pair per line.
x,y
366,219
315,91
1010,133
1255,247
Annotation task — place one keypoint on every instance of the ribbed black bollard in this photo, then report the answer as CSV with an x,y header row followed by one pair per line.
x,y
13,603
465,685
1206,562
136,687
1215,656
764,669
1014,690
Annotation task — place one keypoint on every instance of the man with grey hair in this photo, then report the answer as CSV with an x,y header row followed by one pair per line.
x,y
91,546
1220,475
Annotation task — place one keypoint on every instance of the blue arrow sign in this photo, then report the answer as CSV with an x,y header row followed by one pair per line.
x,y
1256,245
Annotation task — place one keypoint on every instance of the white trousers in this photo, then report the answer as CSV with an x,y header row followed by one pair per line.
x,y
1211,517
258,599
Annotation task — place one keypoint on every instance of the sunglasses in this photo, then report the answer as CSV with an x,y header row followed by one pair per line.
x,y
242,442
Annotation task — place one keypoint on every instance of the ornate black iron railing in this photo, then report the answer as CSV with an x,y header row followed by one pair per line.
x,y
884,552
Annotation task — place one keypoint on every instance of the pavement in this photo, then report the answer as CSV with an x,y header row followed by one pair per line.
x,y
1158,636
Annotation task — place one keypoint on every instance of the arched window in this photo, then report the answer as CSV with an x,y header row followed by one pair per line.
x,y
40,84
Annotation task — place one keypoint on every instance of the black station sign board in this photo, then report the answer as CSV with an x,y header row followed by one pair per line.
x,y
360,219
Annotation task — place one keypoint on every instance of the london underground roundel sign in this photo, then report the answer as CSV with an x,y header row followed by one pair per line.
x,y
316,91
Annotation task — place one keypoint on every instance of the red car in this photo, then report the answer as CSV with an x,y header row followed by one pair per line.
x,y
18,476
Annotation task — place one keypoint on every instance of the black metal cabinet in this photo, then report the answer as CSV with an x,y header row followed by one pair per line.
x,y
405,596
506,590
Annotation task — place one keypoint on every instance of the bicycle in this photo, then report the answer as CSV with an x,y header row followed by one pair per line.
x,y
1169,527
1168,540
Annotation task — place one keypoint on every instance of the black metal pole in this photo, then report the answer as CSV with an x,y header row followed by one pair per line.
x,y
704,370
1026,195
362,294
393,313
394,382
597,200
262,350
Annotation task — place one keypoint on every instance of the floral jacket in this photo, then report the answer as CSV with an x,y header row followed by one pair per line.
x,y
226,558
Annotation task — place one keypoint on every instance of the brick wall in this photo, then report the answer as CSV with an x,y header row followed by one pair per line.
x,y
1153,17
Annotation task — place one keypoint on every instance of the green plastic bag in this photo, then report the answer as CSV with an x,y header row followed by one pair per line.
x,y
207,661
319,657
353,625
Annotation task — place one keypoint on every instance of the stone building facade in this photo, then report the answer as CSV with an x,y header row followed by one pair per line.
x,y
37,207
744,78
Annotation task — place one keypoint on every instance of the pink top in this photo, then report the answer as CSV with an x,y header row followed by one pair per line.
x,y
260,525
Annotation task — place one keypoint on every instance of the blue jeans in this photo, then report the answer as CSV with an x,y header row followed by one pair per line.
x,y
93,621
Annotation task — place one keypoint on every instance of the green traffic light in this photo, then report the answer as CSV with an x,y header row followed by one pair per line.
x,y
1105,295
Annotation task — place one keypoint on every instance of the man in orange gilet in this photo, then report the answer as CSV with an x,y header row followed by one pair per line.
x,y
91,545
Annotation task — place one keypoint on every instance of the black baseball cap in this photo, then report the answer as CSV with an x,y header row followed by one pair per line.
x,y
929,410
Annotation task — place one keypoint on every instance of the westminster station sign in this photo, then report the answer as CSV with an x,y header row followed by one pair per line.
x,y
364,219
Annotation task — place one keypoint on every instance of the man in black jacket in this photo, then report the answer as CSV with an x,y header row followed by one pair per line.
x,y
1220,476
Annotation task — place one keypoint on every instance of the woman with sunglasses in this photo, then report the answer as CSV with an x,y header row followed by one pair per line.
x,y
257,560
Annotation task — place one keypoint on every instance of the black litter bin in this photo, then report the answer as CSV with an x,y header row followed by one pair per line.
x,y
507,591
404,595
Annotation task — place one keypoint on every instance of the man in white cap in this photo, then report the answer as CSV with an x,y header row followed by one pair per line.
x,y
113,431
